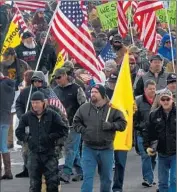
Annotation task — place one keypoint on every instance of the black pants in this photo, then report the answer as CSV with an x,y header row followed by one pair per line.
x,y
43,164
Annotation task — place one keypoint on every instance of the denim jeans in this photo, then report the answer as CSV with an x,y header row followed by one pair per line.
x,y
120,158
72,153
4,128
148,163
167,173
92,158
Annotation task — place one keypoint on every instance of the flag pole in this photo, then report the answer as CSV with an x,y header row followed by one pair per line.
x,y
130,25
107,116
43,46
168,24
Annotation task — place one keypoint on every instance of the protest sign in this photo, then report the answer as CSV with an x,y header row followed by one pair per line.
x,y
108,15
171,11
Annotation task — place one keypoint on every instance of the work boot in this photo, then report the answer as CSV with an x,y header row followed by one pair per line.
x,y
77,178
23,174
65,178
7,166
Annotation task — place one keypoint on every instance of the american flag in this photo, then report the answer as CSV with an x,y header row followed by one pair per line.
x,y
30,5
53,100
145,20
106,54
71,31
18,19
129,3
122,20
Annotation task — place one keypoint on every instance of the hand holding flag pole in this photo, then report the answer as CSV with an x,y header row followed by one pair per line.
x,y
123,101
43,46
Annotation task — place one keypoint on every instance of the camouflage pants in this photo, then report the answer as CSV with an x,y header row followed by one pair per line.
x,y
43,164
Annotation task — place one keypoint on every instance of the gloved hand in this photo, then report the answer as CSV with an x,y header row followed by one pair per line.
x,y
107,126
44,70
150,151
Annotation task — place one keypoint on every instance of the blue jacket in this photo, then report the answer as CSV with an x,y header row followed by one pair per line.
x,y
164,51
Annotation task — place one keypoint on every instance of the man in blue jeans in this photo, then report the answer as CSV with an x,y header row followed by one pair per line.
x,y
141,117
160,136
98,137
7,93
72,97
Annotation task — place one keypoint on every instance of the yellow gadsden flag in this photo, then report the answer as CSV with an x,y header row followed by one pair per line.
x,y
123,100
59,63
12,38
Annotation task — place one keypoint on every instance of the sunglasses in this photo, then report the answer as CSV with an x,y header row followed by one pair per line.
x,y
39,81
59,77
167,42
117,42
132,63
41,12
165,99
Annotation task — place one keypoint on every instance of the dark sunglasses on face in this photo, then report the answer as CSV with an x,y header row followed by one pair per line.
x,y
165,99
132,63
167,42
117,42
59,77
39,81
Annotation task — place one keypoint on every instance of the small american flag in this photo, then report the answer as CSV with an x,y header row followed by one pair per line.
x,y
30,5
71,31
145,21
53,100
106,54
122,20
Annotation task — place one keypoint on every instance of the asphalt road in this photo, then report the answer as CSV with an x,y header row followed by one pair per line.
x,y
133,178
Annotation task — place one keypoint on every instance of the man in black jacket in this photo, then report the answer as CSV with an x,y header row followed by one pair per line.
x,y
38,84
98,137
141,117
160,136
44,128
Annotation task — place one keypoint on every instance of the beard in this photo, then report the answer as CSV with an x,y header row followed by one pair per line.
x,y
30,45
94,100
117,47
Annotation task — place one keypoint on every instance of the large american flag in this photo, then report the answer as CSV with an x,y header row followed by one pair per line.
x,y
53,100
30,5
106,54
145,20
70,30
122,20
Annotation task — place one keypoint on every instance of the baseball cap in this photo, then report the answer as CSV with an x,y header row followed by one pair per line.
x,y
61,71
171,78
166,93
27,35
156,57
109,65
134,49
117,38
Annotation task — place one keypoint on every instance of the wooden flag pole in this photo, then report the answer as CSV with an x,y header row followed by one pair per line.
x,y
107,116
130,25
